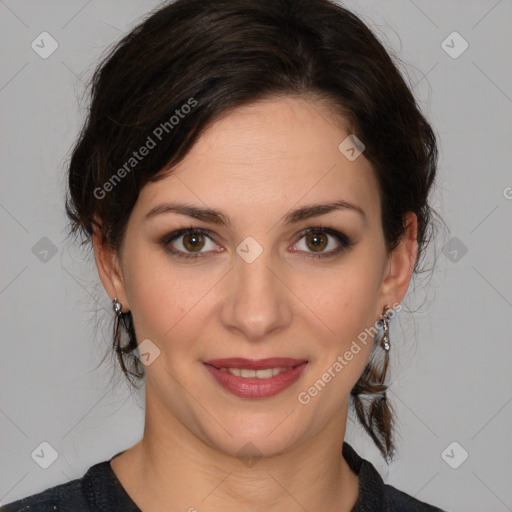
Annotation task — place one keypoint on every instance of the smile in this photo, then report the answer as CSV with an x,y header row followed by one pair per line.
x,y
260,374
253,379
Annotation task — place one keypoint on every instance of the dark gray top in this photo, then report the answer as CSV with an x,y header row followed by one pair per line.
x,y
99,490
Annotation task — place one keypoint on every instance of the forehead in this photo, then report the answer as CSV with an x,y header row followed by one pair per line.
x,y
266,157
283,129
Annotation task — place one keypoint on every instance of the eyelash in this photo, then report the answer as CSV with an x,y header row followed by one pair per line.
x,y
344,241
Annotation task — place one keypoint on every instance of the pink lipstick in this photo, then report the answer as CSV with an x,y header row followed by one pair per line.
x,y
256,378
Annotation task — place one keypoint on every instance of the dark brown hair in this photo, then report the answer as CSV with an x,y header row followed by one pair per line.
x,y
191,61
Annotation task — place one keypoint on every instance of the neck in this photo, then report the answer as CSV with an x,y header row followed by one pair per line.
x,y
173,467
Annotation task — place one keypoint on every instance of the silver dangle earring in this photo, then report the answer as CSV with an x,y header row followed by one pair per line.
x,y
386,315
117,307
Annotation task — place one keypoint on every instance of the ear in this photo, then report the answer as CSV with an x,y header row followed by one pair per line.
x,y
400,265
109,269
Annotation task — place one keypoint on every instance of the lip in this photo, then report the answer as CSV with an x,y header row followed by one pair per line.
x,y
254,387
255,364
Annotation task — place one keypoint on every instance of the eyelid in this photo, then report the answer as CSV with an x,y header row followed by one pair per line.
x,y
174,234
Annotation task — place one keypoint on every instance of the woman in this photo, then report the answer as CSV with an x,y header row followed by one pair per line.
x,y
254,178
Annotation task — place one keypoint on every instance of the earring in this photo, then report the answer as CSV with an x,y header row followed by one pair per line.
x,y
117,307
386,315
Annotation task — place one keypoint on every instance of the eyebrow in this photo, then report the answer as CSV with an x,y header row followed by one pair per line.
x,y
217,217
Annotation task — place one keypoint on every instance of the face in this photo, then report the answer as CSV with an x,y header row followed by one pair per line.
x,y
257,281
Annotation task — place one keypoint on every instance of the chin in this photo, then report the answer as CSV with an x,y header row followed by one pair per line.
x,y
253,440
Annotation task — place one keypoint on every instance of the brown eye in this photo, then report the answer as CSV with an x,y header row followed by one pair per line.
x,y
193,241
322,243
189,243
317,241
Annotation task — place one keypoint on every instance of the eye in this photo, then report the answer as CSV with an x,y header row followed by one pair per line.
x,y
318,243
317,240
188,243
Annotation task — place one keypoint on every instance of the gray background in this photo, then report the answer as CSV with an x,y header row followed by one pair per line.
x,y
451,357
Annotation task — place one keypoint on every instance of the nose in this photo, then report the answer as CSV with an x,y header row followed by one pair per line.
x,y
257,301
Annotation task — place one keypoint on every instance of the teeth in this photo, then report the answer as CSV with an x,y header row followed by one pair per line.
x,y
259,374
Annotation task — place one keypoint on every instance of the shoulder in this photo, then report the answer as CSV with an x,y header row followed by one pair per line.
x,y
75,496
63,498
374,494
397,500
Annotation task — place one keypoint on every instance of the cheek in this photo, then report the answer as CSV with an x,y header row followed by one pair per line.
x,y
163,297
344,299
344,303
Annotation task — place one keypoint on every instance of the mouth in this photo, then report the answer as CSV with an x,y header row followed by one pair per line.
x,y
256,378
